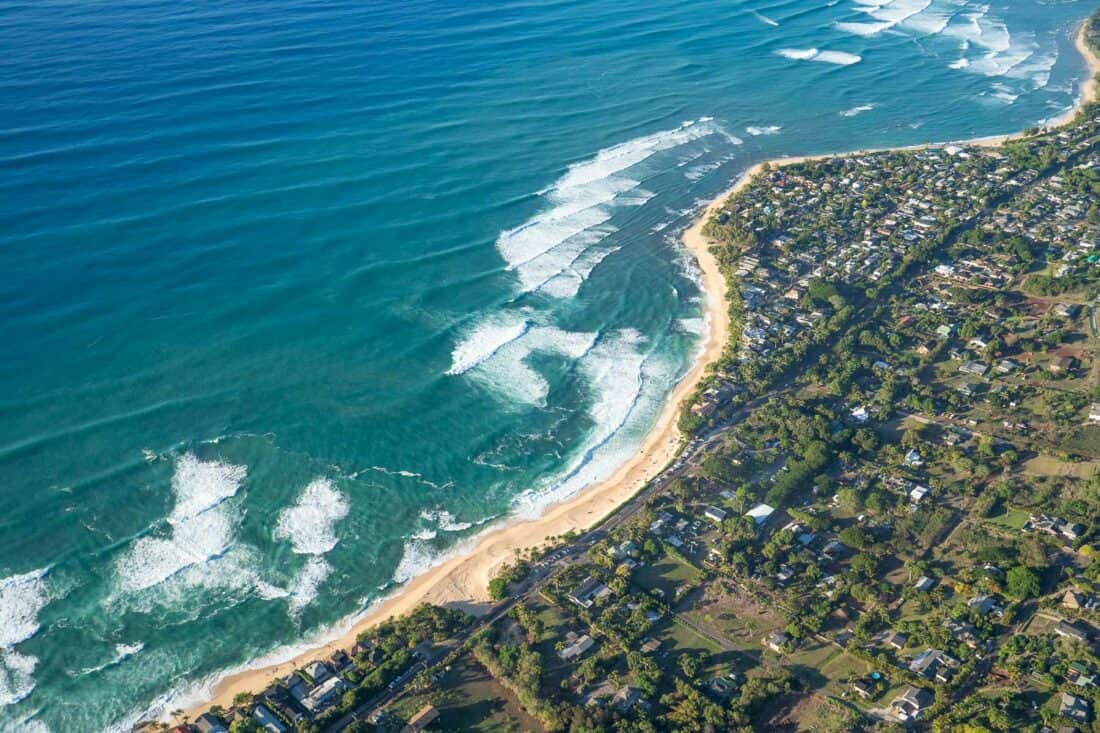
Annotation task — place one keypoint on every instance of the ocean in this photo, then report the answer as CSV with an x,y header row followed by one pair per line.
x,y
299,296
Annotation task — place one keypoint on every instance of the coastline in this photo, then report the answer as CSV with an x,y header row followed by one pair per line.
x,y
462,579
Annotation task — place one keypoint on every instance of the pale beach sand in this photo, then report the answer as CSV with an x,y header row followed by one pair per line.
x,y
463,579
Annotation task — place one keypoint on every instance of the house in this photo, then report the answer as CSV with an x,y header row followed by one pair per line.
x,y
324,695
776,641
1094,412
1073,599
784,574
626,698
297,686
1073,707
1072,532
319,672
208,723
1062,364
268,721
932,664
924,583
910,703
1081,675
913,459
895,639
715,514
588,591
984,605
423,718
864,687
964,632
861,415
918,494
576,646
1070,630
760,513
975,368
650,646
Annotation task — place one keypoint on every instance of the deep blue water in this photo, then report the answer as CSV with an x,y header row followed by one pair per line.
x,y
298,295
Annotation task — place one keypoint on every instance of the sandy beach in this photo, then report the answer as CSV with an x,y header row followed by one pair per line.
x,y
463,578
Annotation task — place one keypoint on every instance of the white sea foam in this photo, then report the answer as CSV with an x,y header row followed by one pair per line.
x,y
122,653
857,110
22,597
445,520
798,54
579,206
200,526
765,19
310,523
16,676
485,339
840,58
508,373
613,369
860,28
307,583
696,326
763,130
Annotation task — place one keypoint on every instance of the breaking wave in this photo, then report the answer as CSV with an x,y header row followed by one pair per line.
x,y
839,58
22,597
310,523
200,526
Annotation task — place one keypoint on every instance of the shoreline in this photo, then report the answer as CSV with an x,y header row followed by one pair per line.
x,y
462,579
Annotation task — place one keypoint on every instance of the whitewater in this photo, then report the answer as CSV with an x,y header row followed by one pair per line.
x,y
301,303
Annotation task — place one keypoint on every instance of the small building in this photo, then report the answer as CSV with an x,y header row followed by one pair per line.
x,y
917,494
1073,599
650,646
210,723
924,583
1062,364
319,672
984,605
910,703
626,698
913,459
760,513
932,664
268,720
585,594
776,641
715,514
864,688
576,646
1094,412
861,415
423,718
895,639
1070,630
1073,707
324,695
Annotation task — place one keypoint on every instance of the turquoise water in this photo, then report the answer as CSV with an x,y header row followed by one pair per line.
x,y
297,296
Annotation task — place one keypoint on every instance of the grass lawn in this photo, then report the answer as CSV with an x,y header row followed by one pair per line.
x,y
668,574
1047,465
1010,518
470,700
